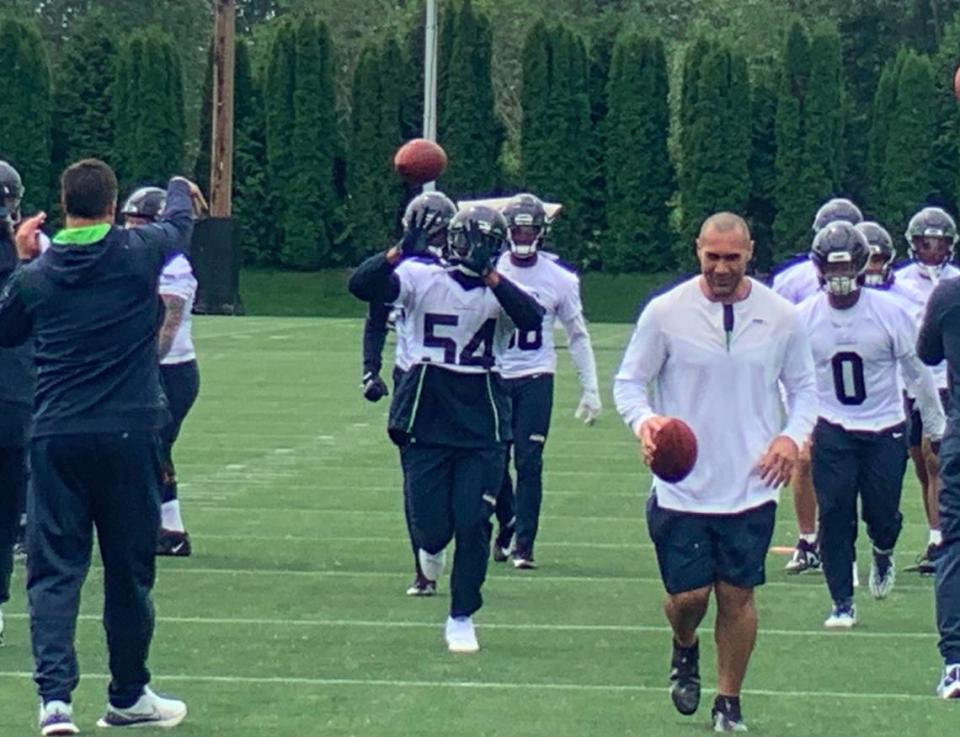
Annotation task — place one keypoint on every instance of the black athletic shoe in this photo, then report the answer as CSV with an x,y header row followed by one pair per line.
x,y
726,715
685,678
422,586
806,557
174,544
503,544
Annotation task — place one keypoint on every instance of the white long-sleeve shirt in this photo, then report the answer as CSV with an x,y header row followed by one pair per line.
x,y
724,385
797,282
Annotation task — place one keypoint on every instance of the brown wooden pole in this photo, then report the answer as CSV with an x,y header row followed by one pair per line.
x,y
221,155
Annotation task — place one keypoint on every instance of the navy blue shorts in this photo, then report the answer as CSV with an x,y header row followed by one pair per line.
x,y
916,421
698,550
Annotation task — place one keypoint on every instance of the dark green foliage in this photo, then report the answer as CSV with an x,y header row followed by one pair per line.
x,y
312,203
25,110
717,173
148,111
468,127
692,63
794,208
535,133
376,192
639,174
823,118
83,94
910,136
884,107
761,207
201,171
249,164
945,162
278,118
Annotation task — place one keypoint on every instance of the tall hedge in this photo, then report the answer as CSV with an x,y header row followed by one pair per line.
x,y
761,207
468,127
25,110
83,93
639,174
907,180
884,107
278,86
693,58
823,117
718,168
148,112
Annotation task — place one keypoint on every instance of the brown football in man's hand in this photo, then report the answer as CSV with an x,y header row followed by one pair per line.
x,y
676,451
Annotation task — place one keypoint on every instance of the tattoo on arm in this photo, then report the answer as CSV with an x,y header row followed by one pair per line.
x,y
172,318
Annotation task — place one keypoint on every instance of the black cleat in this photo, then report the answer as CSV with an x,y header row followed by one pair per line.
x,y
685,678
806,557
503,544
726,715
174,544
422,586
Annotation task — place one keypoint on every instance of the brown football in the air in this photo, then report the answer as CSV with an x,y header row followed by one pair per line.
x,y
420,160
676,452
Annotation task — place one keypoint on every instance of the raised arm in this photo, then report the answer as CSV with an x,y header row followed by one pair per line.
x,y
171,234
374,280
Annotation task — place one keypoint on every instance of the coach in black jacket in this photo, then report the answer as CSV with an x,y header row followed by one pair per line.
x,y
940,340
90,304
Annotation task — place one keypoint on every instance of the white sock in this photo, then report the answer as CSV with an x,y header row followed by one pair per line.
x,y
170,517
936,537
809,537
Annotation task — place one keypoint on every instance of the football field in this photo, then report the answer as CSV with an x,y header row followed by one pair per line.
x,y
291,619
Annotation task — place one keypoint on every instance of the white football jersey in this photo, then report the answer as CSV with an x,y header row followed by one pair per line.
x,y
448,325
558,292
177,280
797,282
718,369
917,284
858,353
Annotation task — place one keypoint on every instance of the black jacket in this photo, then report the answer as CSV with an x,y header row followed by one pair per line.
x,y
93,312
16,370
940,337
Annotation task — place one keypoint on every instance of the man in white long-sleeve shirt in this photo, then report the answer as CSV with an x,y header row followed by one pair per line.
x,y
716,347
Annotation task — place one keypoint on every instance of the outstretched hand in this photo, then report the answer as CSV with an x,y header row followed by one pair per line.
x,y
27,237
417,233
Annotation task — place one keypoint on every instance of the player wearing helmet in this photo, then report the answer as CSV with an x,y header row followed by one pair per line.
x,y
450,415
528,366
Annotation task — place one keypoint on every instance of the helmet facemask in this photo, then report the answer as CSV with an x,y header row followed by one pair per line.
x,y
879,267
525,236
931,251
840,274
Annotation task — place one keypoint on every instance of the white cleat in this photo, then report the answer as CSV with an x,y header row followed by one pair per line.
x,y
949,687
841,618
149,711
431,565
56,719
460,635
883,574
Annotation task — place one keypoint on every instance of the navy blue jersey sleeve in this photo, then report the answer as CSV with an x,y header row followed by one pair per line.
x,y
523,309
171,234
374,281
374,337
15,321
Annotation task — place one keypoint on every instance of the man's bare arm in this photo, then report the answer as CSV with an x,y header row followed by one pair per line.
x,y
172,319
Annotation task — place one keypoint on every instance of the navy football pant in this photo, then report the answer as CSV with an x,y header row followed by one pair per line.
x,y
108,481
846,465
531,398
948,564
13,489
181,383
452,492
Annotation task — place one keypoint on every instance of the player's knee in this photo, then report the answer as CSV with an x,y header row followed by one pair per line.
x,y
733,597
690,600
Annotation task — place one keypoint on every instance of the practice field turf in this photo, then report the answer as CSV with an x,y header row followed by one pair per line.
x,y
291,618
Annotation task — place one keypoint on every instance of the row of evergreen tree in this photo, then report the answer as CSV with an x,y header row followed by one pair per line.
x,y
768,139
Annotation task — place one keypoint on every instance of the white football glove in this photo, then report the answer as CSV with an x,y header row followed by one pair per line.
x,y
589,407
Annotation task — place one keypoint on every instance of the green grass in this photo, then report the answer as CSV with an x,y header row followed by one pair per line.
x,y
606,298
291,620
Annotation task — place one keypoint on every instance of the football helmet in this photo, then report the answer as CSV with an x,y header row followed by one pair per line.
x,y
836,209
475,237
146,203
11,192
840,252
526,224
931,235
882,254
440,207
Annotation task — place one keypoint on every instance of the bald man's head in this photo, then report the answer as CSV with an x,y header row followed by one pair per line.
x,y
724,249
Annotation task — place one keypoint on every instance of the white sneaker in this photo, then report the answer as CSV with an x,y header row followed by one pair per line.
x,y
949,687
431,565
56,718
149,711
841,617
460,635
883,574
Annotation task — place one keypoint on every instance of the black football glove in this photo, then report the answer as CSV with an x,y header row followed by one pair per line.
x,y
485,249
374,388
417,233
